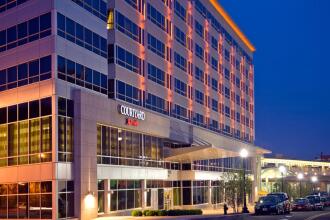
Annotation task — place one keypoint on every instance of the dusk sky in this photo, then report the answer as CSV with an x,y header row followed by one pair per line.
x,y
292,72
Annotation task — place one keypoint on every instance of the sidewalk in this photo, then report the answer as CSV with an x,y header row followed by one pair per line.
x,y
207,214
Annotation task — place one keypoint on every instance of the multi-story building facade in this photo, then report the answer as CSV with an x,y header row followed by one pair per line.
x,y
110,106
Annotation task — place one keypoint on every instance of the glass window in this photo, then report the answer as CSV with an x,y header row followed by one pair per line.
x,y
60,21
70,67
22,71
12,113
46,106
61,66
45,64
3,115
45,21
11,34
34,26
23,111
34,109
34,68
22,30
12,74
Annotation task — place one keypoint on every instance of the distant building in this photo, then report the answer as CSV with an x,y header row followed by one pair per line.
x,y
271,176
324,158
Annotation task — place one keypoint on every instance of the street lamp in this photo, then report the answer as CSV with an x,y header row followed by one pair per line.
x,y
244,154
282,169
300,176
314,180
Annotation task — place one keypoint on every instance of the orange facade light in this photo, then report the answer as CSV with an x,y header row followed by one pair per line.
x,y
232,24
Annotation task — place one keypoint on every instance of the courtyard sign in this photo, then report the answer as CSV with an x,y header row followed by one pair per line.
x,y
131,112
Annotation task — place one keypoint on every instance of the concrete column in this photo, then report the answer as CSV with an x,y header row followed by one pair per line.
x,y
106,196
144,193
209,184
85,163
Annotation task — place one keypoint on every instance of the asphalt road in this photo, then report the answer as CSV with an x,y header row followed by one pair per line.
x,y
309,215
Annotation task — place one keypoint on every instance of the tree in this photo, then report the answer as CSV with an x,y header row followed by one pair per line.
x,y
233,186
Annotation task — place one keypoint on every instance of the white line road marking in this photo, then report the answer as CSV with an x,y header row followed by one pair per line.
x,y
283,219
288,216
316,216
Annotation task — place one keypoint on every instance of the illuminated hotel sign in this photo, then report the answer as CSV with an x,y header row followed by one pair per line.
x,y
132,113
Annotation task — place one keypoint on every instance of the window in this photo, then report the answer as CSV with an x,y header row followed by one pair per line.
x,y
180,62
129,28
65,129
199,97
180,87
10,4
157,104
137,5
27,138
128,93
127,194
215,105
65,200
180,36
179,10
214,64
214,83
199,29
95,7
156,17
23,33
227,74
156,46
199,52
214,43
199,74
227,92
128,60
227,55
155,74
26,200
180,113
198,119
72,31
227,111
80,75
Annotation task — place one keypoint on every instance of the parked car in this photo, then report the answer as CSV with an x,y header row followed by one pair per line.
x,y
269,205
315,201
302,204
283,198
327,202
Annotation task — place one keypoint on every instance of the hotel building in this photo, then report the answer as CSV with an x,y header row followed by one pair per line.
x,y
111,106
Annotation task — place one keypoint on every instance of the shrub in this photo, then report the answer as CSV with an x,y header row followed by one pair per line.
x,y
136,213
162,213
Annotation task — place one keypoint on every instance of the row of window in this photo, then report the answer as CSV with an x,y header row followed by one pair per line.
x,y
133,95
8,4
95,7
158,19
26,200
78,34
127,60
129,28
122,147
23,33
25,73
81,75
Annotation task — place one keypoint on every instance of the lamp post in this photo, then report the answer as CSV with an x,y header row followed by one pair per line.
x,y
314,180
300,176
244,153
282,169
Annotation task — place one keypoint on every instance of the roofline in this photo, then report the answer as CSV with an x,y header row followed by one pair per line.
x,y
284,160
232,24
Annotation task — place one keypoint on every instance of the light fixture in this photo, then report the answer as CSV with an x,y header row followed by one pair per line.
x,y
314,179
282,169
300,176
89,200
244,153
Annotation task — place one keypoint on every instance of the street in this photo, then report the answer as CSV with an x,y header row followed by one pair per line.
x,y
309,215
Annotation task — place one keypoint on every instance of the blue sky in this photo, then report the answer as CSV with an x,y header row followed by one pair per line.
x,y
292,72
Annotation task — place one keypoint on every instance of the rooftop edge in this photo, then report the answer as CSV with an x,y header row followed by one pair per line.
x,y
232,24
